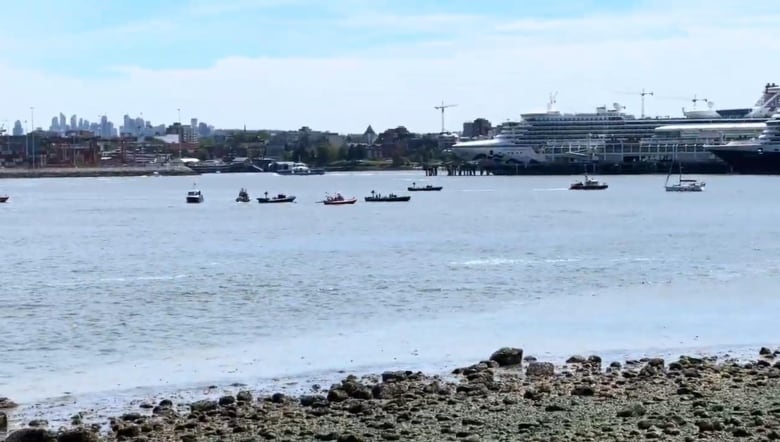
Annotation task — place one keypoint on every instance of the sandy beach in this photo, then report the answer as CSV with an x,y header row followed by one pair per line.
x,y
504,398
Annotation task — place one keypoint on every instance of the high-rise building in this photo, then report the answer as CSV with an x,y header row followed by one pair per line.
x,y
18,129
74,123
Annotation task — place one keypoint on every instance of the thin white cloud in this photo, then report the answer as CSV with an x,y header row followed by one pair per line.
x,y
496,72
212,7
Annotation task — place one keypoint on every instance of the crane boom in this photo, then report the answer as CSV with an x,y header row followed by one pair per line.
x,y
442,107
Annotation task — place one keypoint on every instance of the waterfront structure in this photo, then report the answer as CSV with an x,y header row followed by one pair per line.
x,y
760,155
608,134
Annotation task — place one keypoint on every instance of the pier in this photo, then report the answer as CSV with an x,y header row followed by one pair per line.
x,y
559,168
466,169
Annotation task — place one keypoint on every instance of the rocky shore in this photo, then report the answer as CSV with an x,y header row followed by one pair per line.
x,y
505,398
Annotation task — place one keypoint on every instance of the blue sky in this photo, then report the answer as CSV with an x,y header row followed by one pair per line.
x,y
381,62
75,37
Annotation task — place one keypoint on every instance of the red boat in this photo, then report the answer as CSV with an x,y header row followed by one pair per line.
x,y
338,200
3,198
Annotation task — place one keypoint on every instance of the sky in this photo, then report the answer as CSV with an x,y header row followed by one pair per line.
x,y
341,65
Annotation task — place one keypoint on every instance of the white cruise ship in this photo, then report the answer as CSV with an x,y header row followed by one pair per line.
x,y
608,134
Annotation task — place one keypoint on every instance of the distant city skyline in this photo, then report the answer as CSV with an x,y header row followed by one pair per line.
x,y
61,124
343,65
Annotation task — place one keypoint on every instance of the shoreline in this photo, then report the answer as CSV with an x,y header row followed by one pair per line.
x,y
133,171
93,172
505,397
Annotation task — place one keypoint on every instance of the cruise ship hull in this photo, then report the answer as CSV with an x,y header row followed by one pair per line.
x,y
750,162
637,168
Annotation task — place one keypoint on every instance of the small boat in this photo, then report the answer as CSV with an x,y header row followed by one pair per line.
x,y
281,198
588,184
686,186
4,198
683,185
426,188
243,196
338,200
391,198
300,169
194,196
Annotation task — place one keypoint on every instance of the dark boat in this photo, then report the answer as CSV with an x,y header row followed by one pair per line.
x,y
243,196
426,188
4,198
338,200
588,184
759,156
391,198
280,198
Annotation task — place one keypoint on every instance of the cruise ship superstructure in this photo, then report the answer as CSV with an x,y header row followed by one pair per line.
x,y
609,135
760,155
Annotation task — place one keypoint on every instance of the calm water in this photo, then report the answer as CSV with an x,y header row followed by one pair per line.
x,y
114,283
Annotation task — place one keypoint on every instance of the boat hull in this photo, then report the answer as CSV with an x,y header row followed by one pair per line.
x,y
194,200
3,199
340,203
398,199
424,189
579,186
683,189
288,199
750,162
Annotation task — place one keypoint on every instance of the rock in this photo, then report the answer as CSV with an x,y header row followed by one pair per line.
x,y
278,398
389,390
656,362
644,424
78,435
203,406
507,356
395,376
337,395
636,410
555,407
30,435
540,369
3,421
708,426
616,365
165,403
244,396
765,351
227,400
132,417
594,360
6,403
576,359
583,390
311,399
38,423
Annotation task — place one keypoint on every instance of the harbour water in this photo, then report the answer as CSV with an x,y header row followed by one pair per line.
x,y
115,286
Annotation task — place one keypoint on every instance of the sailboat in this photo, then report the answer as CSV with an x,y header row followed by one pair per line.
x,y
682,185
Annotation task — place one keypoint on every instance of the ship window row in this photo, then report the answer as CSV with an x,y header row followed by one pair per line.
x,y
629,149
